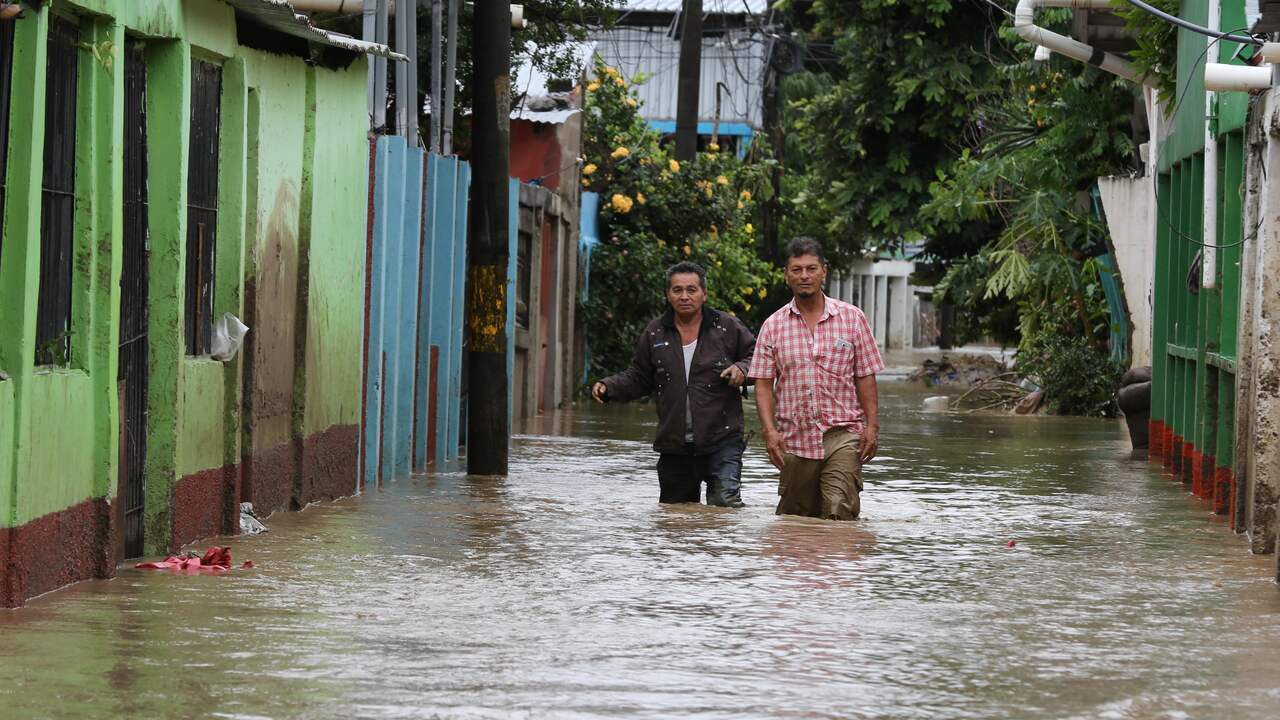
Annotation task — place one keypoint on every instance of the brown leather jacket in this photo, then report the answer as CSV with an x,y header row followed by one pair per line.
x,y
658,370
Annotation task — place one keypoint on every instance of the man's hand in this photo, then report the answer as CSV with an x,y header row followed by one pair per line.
x,y
734,375
777,451
867,446
599,392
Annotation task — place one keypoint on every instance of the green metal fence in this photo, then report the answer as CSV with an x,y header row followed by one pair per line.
x,y
1194,333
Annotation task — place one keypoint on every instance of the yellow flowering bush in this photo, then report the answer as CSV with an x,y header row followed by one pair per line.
x,y
656,212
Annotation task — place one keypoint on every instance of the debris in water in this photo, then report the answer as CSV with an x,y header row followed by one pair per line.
x,y
215,559
1011,543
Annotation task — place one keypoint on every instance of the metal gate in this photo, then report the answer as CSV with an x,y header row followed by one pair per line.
x,y
133,302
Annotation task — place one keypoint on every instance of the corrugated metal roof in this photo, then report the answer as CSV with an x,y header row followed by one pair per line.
x,y
535,102
280,16
735,59
709,7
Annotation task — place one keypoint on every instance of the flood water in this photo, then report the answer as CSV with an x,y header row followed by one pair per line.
x,y
567,591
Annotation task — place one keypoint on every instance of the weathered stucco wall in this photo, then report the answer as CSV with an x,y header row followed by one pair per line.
x,y
335,317
60,428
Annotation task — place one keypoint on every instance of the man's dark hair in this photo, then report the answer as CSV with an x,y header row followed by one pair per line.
x,y
802,246
684,266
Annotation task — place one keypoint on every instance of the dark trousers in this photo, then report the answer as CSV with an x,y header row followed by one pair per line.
x,y
680,476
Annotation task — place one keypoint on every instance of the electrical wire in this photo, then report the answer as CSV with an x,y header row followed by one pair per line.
x,y
1187,24
1160,209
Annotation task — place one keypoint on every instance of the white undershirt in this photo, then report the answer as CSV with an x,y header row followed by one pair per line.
x,y
688,412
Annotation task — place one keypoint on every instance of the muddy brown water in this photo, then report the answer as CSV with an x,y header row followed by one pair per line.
x,y
566,591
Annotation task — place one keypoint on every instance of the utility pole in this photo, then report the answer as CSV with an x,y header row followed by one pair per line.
x,y
488,415
378,68
407,73
772,209
689,77
437,18
450,79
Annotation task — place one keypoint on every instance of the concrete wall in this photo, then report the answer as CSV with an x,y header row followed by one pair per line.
x,y
1130,204
277,425
882,290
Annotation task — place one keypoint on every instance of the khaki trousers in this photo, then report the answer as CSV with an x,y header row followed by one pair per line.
x,y
826,488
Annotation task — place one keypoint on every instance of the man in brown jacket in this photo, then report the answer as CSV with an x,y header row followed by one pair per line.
x,y
693,360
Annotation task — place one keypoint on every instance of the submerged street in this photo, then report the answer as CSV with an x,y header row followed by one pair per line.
x,y
567,591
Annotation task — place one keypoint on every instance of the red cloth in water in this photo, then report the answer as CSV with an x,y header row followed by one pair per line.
x,y
216,559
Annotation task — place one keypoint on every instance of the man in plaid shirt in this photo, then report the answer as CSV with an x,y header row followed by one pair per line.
x,y
815,368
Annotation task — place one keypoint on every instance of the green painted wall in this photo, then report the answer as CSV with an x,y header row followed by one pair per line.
x,y
294,143
335,324
56,471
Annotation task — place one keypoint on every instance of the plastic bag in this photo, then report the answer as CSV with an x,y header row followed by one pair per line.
x,y
249,522
228,334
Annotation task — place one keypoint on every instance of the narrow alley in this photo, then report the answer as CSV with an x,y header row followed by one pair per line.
x,y
565,590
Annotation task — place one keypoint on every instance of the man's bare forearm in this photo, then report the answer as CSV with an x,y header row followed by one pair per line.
x,y
765,404
868,398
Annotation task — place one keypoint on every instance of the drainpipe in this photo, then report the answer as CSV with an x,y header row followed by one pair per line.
x,y
1024,24
1209,235
343,7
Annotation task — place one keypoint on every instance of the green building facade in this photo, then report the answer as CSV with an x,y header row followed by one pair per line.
x,y
169,161
1196,315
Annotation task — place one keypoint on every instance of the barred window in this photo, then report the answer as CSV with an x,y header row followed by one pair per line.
x,y
202,204
58,196
6,77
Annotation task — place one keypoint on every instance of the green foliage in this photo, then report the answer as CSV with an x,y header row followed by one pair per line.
x,y
656,212
904,130
879,115
1156,56
1076,376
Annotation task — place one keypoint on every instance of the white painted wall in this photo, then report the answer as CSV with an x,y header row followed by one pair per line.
x,y
1130,208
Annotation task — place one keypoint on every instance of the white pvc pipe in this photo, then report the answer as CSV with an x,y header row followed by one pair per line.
x,y
1239,78
1024,25
1209,232
1270,52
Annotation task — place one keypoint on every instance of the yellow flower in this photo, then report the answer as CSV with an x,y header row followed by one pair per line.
x,y
709,192
662,243
590,168
747,291
631,102
715,230
763,293
689,251
722,180
718,263
586,182
1032,88
713,147
621,203
673,165
593,86
746,306
640,198
619,81
611,71
749,228
745,194
621,152
741,206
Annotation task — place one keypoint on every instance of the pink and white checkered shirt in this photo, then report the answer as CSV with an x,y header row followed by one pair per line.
x,y
813,372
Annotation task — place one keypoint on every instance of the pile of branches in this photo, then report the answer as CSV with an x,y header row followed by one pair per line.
x,y
999,392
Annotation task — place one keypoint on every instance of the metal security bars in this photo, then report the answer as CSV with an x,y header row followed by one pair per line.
x,y
202,204
1194,334
134,280
6,79
58,199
